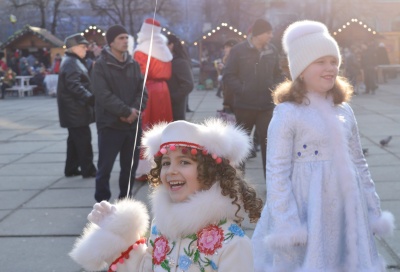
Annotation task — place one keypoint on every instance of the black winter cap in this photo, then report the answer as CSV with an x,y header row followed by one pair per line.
x,y
260,26
113,32
75,39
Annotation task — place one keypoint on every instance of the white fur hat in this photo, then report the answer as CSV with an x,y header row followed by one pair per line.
x,y
214,136
306,41
147,26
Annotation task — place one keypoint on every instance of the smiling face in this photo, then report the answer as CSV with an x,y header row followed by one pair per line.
x,y
179,175
320,75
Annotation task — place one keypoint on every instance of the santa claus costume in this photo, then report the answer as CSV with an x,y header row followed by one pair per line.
x,y
159,102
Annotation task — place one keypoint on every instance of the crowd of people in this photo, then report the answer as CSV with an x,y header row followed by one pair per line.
x,y
322,210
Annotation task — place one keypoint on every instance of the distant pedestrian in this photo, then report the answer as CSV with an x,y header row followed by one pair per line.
x,y
159,103
368,64
382,58
55,67
117,85
322,210
75,108
352,67
252,70
180,84
159,106
8,81
227,94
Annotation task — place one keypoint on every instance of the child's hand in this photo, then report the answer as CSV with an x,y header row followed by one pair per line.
x,y
100,211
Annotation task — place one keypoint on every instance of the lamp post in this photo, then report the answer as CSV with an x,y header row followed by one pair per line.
x,y
13,20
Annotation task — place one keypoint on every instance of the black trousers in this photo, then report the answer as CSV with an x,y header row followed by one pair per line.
x,y
79,151
4,86
111,142
260,119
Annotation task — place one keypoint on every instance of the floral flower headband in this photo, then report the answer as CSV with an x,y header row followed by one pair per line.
x,y
194,150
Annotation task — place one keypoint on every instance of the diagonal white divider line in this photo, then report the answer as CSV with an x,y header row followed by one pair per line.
x,y
141,99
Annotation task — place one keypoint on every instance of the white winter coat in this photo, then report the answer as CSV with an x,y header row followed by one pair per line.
x,y
196,235
322,210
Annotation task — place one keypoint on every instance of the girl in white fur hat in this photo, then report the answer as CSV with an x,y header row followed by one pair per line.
x,y
322,210
198,203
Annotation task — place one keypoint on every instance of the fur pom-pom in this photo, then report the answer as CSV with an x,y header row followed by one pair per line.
x,y
384,225
226,140
151,140
301,29
100,245
287,239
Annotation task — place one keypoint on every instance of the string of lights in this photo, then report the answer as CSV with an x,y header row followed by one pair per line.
x,y
354,21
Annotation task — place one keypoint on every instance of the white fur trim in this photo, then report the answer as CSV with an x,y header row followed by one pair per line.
x,y
159,49
131,44
304,42
384,225
216,136
100,245
175,220
288,239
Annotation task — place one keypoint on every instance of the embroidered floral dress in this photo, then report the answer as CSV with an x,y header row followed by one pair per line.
x,y
198,235
200,251
321,201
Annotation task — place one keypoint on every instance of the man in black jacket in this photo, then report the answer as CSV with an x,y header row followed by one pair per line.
x,y
75,108
251,72
118,85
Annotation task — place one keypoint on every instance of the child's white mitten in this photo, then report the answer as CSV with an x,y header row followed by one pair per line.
x,y
100,211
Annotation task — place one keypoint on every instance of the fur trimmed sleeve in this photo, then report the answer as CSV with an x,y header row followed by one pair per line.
x,y
101,245
382,223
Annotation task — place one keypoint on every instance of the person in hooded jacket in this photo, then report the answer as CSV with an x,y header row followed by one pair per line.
x,y
181,82
75,108
120,95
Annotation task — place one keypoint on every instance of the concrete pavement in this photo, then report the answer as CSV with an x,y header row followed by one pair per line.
x,y
42,212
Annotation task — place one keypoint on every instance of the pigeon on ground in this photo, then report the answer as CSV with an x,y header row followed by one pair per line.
x,y
384,142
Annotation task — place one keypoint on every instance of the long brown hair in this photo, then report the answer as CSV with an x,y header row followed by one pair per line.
x,y
231,182
295,91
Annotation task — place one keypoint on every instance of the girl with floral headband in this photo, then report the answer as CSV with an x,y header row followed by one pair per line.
x,y
322,210
198,204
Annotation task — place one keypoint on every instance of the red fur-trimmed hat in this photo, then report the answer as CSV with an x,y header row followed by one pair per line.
x,y
149,24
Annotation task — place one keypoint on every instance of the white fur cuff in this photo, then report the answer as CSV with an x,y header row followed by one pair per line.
x,y
100,245
287,239
384,225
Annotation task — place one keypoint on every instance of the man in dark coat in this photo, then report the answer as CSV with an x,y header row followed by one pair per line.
x,y
75,108
118,85
251,72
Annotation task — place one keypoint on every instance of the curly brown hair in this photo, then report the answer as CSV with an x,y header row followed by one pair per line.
x,y
231,182
295,91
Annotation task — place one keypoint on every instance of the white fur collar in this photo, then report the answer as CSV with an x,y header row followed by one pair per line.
x,y
175,220
159,50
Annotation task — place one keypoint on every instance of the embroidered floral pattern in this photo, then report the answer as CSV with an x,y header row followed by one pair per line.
x,y
210,239
204,243
160,250
236,230
184,262
154,230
